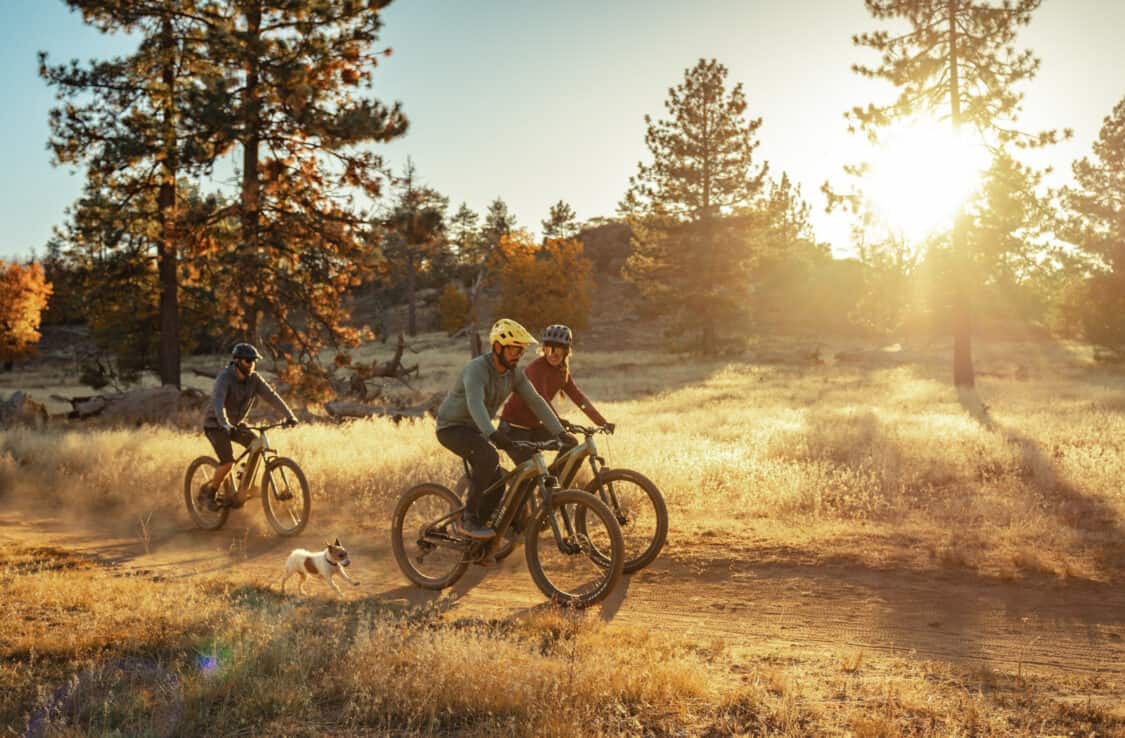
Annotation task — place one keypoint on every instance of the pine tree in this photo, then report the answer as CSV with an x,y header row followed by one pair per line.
x,y
466,242
416,227
290,96
561,222
785,256
1097,226
122,119
465,236
1009,246
955,62
689,206
499,222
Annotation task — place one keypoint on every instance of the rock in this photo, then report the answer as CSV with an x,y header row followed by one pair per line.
x,y
20,409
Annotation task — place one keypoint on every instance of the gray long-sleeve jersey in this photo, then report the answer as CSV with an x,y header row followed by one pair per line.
x,y
233,397
481,390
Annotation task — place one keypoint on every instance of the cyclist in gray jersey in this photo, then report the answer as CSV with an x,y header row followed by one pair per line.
x,y
464,420
236,389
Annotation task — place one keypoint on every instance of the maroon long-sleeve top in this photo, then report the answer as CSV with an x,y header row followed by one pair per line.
x,y
548,382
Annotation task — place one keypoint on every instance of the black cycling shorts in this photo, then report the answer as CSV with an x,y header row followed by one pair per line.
x,y
221,441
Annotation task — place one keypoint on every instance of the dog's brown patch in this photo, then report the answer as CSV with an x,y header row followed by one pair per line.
x,y
310,567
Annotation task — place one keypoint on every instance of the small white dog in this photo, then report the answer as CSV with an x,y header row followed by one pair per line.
x,y
327,563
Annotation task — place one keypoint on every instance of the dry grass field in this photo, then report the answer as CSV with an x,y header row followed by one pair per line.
x,y
854,550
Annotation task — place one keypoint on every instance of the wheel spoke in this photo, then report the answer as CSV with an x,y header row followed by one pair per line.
x,y
425,550
200,472
639,509
285,497
565,569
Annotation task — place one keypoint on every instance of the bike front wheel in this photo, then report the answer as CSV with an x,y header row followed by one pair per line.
x,y
285,497
640,511
564,566
200,472
425,548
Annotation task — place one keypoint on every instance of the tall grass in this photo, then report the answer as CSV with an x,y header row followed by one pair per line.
x,y
86,651
880,461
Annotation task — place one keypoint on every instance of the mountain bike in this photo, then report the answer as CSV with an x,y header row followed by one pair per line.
x,y
635,501
572,542
283,487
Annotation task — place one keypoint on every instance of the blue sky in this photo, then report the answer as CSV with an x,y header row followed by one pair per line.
x,y
538,101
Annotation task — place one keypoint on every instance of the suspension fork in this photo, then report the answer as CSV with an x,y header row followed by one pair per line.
x,y
268,455
605,489
564,542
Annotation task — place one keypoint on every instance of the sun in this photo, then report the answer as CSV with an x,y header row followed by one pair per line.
x,y
920,174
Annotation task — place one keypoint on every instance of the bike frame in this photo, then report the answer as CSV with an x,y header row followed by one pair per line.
x,y
531,475
258,450
565,466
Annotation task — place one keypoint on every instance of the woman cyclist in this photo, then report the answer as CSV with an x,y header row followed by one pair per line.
x,y
550,375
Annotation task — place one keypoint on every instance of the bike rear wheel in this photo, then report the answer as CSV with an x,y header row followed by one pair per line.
x,y
285,497
200,472
565,568
424,545
640,511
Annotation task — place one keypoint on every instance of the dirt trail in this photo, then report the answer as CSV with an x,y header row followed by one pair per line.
x,y
1047,627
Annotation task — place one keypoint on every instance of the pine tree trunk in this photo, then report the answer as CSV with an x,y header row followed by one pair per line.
x,y
476,347
167,254
251,187
963,374
411,324
708,335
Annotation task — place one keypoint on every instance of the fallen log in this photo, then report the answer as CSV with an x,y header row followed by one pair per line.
x,y
141,405
349,409
20,409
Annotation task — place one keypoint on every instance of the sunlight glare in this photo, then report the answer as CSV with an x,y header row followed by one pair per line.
x,y
920,174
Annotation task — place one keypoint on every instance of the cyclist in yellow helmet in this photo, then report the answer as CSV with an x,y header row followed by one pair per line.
x,y
464,419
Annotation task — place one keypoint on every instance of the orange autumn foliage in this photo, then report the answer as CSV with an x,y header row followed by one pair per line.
x,y
24,292
543,284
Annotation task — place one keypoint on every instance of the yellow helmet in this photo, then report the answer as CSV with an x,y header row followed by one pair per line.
x,y
509,333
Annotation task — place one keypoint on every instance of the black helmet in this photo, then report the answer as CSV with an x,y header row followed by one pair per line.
x,y
245,351
558,334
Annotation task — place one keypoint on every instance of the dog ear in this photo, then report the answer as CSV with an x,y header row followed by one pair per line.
x,y
337,543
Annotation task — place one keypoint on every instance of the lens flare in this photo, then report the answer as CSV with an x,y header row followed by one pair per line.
x,y
921,173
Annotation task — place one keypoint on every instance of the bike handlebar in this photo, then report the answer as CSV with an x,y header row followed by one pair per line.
x,y
271,426
583,429
536,445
